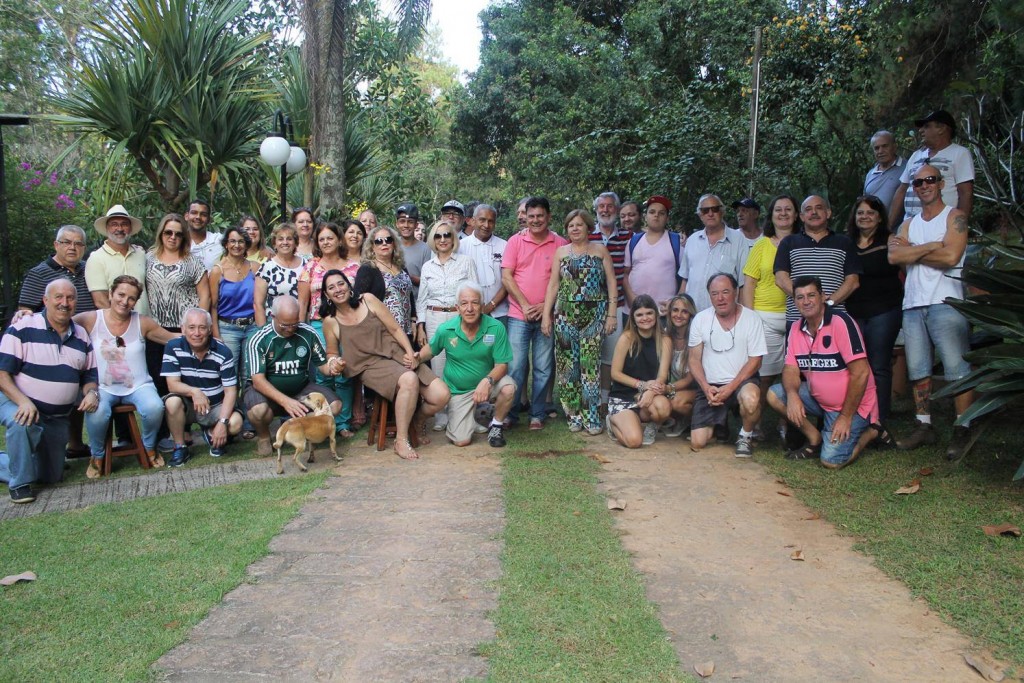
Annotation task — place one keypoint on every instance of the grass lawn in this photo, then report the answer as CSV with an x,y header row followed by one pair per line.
x,y
571,606
932,540
120,584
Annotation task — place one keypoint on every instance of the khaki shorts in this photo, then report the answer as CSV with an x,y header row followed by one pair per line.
x,y
461,422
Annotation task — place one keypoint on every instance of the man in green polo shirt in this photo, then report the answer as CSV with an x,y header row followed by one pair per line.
x,y
476,372
278,357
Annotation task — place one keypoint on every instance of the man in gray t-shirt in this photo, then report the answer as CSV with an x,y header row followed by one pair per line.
x,y
416,253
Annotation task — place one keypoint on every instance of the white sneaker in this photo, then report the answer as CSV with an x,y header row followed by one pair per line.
x,y
441,421
480,429
650,433
676,430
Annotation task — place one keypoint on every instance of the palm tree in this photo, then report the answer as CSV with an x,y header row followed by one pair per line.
x,y
176,90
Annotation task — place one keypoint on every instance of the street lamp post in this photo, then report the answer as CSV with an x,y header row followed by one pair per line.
x,y
5,234
279,149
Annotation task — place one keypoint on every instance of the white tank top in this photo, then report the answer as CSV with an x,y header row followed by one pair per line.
x,y
926,285
122,368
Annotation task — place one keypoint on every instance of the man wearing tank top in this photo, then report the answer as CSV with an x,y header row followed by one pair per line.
x,y
931,247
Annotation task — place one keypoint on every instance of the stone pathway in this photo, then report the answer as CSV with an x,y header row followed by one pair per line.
x,y
387,574
713,538
84,493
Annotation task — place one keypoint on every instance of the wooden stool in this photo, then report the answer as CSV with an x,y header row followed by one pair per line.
x,y
381,419
136,447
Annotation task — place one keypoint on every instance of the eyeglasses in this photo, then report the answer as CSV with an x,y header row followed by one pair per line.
x,y
119,342
381,241
705,210
172,233
442,236
927,180
724,337
69,243
235,243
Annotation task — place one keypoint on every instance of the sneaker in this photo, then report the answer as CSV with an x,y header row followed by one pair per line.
x,y
480,429
608,427
575,427
594,431
922,434
743,447
22,494
536,424
441,422
650,433
180,456
961,443
208,438
496,436
676,430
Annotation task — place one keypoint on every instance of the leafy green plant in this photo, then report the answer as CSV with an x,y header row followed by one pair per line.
x,y
998,310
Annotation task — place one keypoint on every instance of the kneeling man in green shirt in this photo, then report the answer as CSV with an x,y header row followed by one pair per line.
x,y
476,371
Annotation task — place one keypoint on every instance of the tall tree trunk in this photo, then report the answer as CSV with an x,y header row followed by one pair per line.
x,y
326,23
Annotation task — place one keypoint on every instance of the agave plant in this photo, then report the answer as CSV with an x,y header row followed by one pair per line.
x,y
172,88
998,311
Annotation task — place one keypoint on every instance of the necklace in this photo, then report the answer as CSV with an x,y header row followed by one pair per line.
x,y
389,267
234,265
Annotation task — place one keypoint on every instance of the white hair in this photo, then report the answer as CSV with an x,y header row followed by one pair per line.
x,y
69,228
471,286
195,310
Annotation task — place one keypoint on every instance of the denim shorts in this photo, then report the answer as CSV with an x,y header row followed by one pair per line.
x,y
944,327
832,453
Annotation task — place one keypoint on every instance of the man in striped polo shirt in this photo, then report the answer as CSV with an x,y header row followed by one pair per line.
x,y
200,372
817,252
46,360
615,239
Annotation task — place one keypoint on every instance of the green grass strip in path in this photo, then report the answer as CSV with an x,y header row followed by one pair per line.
x,y
571,607
932,540
120,584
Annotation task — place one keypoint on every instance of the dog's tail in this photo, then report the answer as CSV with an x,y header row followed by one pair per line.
x,y
279,437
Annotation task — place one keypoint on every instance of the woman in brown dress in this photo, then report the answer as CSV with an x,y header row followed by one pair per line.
x,y
378,352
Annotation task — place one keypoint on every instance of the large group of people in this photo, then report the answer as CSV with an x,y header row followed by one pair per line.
x,y
641,328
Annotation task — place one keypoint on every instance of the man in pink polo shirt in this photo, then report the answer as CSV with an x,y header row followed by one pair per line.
x,y
525,271
827,347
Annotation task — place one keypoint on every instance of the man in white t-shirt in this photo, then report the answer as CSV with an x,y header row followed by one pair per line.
x,y
486,249
205,245
726,347
953,161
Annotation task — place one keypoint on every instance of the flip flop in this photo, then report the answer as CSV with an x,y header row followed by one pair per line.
x,y
248,435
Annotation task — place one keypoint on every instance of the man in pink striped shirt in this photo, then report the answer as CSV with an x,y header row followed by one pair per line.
x,y
46,360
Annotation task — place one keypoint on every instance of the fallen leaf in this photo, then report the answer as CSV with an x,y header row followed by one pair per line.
x,y
576,513
600,458
985,669
797,555
1002,530
812,517
779,481
905,490
926,471
915,482
705,669
782,493
15,578
616,504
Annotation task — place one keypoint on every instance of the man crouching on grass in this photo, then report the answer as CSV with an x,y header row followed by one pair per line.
x,y
478,353
828,348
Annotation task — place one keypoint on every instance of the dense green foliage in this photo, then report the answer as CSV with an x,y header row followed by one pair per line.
x,y
654,97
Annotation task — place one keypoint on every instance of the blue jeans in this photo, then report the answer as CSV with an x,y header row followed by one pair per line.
x,y
341,386
235,337
523,335
149,406
880,332
832,453
35,453
944,327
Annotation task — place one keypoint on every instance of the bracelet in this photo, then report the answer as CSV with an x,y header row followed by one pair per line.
x,y
489,379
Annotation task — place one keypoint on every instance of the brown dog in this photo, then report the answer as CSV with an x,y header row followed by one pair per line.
x,y
308,430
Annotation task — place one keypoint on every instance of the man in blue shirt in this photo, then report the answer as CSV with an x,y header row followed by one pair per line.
x,y
200,372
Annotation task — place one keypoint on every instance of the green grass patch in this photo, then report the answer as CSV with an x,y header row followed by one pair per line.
x,y
932,540
120,584
571,607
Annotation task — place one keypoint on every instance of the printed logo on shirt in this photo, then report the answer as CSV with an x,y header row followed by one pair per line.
x,y
454,341
301,352
488,340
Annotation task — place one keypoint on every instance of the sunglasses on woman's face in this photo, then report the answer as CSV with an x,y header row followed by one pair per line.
x,y
438,236
380,241
174,234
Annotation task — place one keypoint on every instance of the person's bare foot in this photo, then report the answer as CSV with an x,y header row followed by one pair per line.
x,y
419,427
404,450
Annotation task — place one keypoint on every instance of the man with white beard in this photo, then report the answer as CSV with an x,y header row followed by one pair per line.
x,y
615,240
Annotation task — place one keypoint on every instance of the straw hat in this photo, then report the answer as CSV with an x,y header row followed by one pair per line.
x,y
116,211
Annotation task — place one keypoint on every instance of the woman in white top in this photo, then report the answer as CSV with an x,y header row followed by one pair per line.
x,y
279,274
439,282
119,337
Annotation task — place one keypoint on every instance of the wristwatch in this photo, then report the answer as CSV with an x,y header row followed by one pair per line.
x,y
829,302
224,421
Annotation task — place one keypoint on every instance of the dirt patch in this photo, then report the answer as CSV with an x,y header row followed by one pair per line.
x,y
546,455
749,578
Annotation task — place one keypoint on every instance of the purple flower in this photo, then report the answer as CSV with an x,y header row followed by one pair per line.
x,y
53,178
25,166
76,192
34,182
26,187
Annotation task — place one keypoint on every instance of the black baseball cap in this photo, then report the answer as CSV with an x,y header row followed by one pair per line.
x,y
939,116
409,209
748,203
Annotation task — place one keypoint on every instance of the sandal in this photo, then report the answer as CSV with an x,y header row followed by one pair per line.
x,y
155,459
95,468
885,440
410,453
808,452
248,435
345,434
